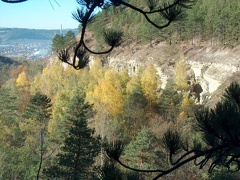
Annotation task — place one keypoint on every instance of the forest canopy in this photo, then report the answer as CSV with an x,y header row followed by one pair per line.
x,y
99,122
122,108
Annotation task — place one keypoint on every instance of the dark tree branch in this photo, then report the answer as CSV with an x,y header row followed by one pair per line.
x,y
218,153
208,153
192,158
84,26
93,52
138,170
170,12
182,157
146,16
13,1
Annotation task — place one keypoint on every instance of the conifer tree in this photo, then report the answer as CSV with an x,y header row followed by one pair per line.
x,y
39,111
170,101
170,97
70,40
143,152
76,159
58,42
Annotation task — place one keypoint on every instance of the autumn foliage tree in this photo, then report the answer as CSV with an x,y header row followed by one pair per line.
x,y
108,93
181,77
150,85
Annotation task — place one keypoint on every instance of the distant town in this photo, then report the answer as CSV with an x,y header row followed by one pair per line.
x,y
28,44
28,50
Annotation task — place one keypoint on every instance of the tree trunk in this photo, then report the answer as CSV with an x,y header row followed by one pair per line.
x,y
41,153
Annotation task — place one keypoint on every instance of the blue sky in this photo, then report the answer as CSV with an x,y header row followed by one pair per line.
x,y
38,14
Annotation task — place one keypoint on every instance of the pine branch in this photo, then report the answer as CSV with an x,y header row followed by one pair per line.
x,y
13,1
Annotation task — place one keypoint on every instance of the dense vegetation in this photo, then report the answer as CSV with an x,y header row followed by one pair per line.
x,y
57,122
10,68
44,114
215,21
60,42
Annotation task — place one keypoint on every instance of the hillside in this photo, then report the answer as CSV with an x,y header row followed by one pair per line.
x,y
31,44
214,21
16,35
10,68
5,61
207,35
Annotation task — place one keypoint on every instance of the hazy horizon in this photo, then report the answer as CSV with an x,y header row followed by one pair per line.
x,y
36,28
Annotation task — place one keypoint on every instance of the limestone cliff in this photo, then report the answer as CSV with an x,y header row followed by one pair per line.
x,y
211,66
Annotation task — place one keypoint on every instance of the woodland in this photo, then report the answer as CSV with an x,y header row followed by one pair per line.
x,y
97,123
215,22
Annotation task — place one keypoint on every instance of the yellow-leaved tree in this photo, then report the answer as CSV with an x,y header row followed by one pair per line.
x,y
112,76
51,79
74,80
150,84
186,100
107,94
180,71
133,85
57,127
22,80
35,85
96,72
23,88
124,79
107,99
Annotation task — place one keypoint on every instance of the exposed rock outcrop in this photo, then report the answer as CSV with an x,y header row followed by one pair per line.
x,y
211,66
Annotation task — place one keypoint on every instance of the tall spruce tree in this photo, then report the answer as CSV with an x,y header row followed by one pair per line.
x,y
170,97
58,42
39,111
77,156
143,152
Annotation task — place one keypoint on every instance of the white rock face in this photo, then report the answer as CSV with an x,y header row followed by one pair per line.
x,y
215,74
212,83
211,66
209,75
